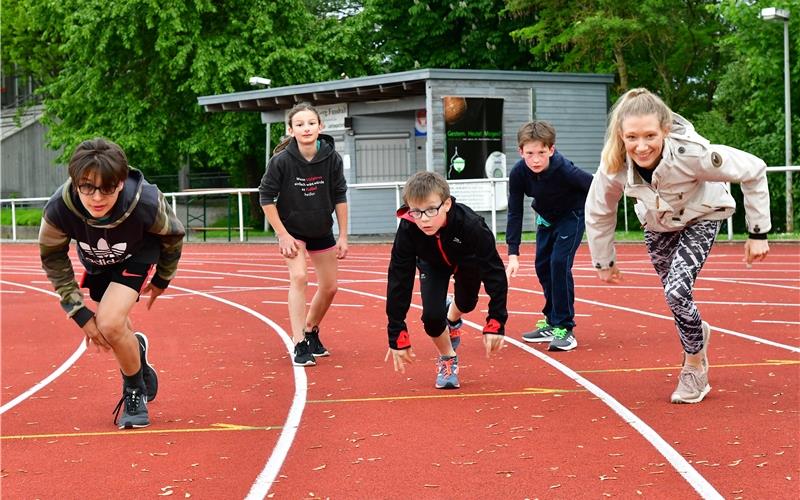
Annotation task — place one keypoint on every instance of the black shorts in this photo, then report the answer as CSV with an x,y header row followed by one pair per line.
x,y
316,244
129,273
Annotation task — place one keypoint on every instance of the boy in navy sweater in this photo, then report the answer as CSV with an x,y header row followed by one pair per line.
x,y
558,189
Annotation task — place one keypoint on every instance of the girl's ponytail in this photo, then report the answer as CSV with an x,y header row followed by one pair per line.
x,y
282,145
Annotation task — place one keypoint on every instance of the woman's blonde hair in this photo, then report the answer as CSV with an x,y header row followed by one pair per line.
x,y
635,102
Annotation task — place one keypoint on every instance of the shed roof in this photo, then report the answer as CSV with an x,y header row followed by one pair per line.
x,y
374,88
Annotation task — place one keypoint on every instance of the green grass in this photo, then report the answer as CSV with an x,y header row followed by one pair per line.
x,y
25,216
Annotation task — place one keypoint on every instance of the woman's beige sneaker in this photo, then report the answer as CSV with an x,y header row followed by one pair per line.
x,y
692,385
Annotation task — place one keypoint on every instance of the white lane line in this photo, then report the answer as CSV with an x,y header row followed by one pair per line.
x,y
15,292
55,374
758,304
776,322
750,283
670,318
283,302
267,476
528,313
680,464
697,481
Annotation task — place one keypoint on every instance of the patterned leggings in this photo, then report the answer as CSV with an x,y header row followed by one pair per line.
x,y
677,258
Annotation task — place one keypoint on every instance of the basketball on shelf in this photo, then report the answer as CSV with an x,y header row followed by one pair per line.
x,y
454,108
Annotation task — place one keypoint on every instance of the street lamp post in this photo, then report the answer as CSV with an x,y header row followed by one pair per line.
x,y
775,14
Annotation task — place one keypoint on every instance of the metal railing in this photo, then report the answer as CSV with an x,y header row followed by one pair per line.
x,y
396,185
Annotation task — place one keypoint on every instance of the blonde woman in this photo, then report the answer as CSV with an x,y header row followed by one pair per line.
x,y
679,182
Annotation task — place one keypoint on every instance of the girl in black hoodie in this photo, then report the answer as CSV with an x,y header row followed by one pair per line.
x,y
303,185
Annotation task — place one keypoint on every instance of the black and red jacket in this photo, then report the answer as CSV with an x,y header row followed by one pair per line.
x,y
464,239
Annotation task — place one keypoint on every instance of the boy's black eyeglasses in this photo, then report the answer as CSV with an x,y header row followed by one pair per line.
x,y
430,212
89,189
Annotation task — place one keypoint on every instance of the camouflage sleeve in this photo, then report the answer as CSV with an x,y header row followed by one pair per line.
x,y
54,252
170,229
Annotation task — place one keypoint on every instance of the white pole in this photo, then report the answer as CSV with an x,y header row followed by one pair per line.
x,y
788,127
13,221
241,216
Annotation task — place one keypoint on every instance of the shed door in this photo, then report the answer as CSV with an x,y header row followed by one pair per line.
x,y
382,159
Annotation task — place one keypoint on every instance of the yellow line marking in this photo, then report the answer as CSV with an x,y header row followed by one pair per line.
x,y
527,392
767,362
138,432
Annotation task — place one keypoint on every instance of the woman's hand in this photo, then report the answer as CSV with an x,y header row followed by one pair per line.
x,y
755,250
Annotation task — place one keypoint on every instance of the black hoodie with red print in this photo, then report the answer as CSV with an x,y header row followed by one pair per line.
x,y
305,192
464,239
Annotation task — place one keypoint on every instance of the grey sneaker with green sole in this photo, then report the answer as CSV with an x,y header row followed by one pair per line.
x,y
563,340
542,333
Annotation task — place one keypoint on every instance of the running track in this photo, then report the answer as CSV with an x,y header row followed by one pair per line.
x,y
235,419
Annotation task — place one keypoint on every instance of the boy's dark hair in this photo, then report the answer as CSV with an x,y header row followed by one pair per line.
x,y
101,156
422,184
537,130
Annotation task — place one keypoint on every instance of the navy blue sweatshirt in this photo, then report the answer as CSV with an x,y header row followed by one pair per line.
x,y
556,192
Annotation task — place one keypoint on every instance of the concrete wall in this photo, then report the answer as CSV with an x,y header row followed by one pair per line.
x,y
28,167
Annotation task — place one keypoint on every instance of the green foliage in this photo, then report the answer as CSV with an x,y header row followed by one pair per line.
x,y
459,34
748,109
668,46
132,71
24,216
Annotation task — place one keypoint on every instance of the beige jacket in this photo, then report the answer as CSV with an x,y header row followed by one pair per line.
x,y
689,184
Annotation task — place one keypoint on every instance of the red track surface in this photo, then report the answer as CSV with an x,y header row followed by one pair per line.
x,y
519,427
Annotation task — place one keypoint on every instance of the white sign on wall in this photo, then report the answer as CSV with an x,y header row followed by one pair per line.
x,y
332,116
478,195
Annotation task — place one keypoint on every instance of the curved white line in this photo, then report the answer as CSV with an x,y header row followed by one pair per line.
x,y
670,318
267,476
684,468
54,375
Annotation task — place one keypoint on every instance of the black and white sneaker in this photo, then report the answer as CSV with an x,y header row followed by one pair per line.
x,y
315,344
148,372
563,340
134,409
302,354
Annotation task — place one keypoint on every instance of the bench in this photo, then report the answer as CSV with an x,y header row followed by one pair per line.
x,y
232,231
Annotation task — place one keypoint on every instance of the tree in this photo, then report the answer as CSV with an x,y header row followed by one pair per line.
x,y
445,34
132,71
667,46
748,110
